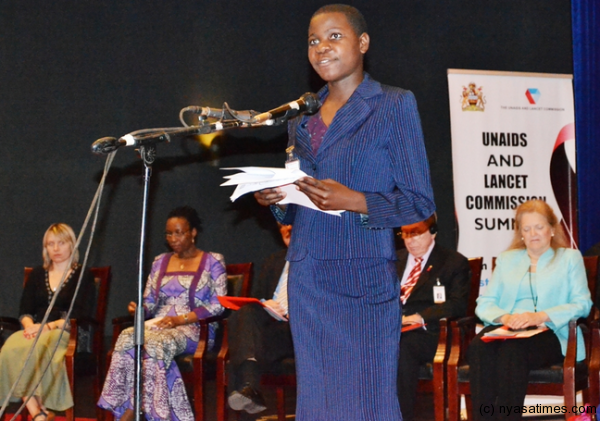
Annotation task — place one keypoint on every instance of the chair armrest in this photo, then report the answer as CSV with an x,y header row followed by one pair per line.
x,y
571,355
72,345
123,320
223,355
462,331
87,322
442,349
594,361
9,323
217,318
443,346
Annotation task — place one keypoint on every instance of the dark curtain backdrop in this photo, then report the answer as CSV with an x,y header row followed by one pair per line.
x,y
75,71
586,59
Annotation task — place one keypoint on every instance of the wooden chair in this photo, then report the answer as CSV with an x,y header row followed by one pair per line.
x,y
563,380
282,377
432,376
193,367
95,324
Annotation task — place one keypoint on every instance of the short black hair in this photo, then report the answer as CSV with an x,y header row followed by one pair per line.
x,y
355,18
189,214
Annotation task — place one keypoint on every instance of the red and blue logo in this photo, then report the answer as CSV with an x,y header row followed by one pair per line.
x,y
533,95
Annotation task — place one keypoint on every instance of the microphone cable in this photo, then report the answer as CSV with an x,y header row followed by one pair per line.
x,y
94,205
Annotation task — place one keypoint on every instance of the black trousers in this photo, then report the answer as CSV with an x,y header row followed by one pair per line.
x,y
253,333
499,370
416,347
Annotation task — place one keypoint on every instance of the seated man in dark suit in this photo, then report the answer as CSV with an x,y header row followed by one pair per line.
x,y
435,283
256,339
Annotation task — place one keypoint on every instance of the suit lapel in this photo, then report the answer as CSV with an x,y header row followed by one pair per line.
x,y
301,139
346,121
352,115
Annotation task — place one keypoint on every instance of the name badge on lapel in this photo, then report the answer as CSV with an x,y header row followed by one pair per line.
x,y
439,293
291,163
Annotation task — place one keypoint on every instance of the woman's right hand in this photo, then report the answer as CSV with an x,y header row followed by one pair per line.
x,y
131,308
268,197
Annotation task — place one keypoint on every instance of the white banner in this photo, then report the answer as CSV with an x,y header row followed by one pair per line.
x,y
513,139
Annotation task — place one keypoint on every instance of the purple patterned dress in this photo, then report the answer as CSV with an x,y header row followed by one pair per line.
x,y
167,294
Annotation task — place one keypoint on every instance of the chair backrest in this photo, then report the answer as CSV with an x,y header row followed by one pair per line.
x,y
476,264
591,269
26,275
102,279
239,279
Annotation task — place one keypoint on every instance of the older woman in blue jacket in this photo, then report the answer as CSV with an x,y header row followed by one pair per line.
x,y
537,281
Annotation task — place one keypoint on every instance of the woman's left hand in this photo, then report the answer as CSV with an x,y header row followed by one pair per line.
x,y
167,322
330,195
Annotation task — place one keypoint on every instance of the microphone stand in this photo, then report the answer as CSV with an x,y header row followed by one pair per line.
x,y
148,155
146,141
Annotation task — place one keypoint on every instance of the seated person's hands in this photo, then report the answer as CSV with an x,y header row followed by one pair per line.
x,y
523,320
412,319
273,305
31,331
131,308
167,322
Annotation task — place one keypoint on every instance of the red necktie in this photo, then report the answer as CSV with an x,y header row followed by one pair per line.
x,y
413,277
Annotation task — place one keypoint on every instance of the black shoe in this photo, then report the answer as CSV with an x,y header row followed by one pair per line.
x,y
248,399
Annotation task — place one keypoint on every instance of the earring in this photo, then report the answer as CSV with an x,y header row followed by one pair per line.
x,y
522,239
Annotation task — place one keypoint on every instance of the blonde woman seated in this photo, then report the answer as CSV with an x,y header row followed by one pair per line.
x,y
538,280
53,391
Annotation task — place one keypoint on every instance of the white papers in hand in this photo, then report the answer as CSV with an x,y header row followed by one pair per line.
x,y
252,179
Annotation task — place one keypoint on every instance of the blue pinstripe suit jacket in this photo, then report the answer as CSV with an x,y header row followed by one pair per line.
x,y
374,145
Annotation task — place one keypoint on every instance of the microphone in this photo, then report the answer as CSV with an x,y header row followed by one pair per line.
x,y
224,113
106,145
308,103
151,136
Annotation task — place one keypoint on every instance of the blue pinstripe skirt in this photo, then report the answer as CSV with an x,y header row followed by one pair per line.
x,y
345,320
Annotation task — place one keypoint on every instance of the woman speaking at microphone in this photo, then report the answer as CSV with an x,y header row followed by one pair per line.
x,y
365,155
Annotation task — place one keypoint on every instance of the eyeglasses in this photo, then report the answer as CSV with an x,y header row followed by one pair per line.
x,y
412,234
176,234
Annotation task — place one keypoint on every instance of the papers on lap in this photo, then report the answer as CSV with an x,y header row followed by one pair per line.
x,y
234,303
504,332
252,179
412,326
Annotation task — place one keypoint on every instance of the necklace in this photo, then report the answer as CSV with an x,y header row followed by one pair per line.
x,y
534,298
51,291
183,260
